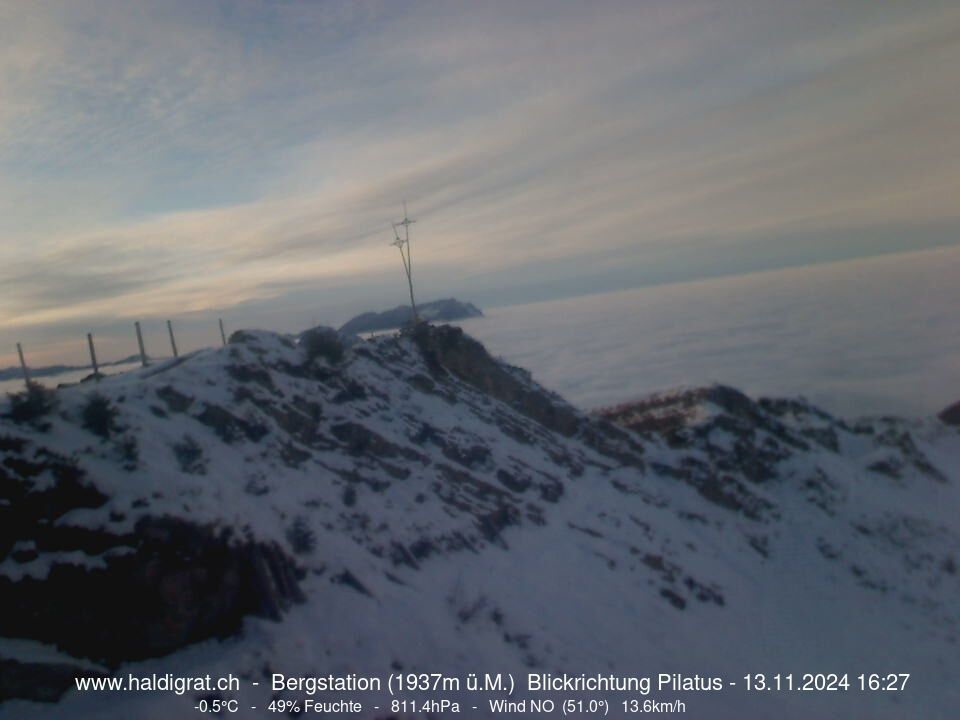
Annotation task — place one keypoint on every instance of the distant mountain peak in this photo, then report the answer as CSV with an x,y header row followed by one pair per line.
x,y
444,310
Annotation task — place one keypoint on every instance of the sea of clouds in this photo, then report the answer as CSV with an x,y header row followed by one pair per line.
x,y
860,337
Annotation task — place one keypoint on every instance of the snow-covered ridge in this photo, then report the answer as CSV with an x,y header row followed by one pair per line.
x,y
409,501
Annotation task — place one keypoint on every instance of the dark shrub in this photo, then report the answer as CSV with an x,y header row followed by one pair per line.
x,y
240,337
99,416
189,455
301,538
129,452
322,342
31,404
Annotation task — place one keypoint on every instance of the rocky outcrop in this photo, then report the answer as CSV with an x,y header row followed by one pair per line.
x,y
733,442
448,349
111,594
951,415
167,584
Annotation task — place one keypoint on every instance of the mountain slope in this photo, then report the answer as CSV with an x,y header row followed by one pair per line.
x,y
411,503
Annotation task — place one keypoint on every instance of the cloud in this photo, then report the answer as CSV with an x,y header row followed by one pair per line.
x,y
162,159
867,336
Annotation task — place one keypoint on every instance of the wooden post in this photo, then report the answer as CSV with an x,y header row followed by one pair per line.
x,y
143,352
93,356
223,335
173,342
23,366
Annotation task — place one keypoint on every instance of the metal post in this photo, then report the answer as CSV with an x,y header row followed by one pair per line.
x,y
406,257
93,356
23,366
223,335
173,342
143,352
407,222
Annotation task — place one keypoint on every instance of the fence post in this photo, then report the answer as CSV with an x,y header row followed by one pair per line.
x,y
93,357
143,352
223,335
173,342
23,366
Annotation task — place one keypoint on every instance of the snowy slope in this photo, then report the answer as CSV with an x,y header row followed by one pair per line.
x,y
408,502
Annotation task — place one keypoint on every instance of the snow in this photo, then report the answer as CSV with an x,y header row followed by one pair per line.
x,y
577,590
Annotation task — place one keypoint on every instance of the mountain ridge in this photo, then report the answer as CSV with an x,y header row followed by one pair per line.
x,y
364,493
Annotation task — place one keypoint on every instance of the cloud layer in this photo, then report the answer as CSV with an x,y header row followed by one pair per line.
x,y
867,336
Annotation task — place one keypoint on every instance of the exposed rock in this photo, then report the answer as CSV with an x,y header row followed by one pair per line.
x,y
175,401
165,585
448,350
951,415
228,426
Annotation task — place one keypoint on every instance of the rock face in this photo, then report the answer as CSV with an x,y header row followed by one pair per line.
x,y
114,596
742,444
435,311
951,415
432,506
115,592
165,585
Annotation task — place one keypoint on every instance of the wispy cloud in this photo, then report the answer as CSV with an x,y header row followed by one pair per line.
x,y
182,157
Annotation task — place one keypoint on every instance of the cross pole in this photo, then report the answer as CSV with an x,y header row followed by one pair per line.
x,y
402,243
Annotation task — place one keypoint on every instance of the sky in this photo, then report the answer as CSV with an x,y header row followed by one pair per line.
x,y
196,159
